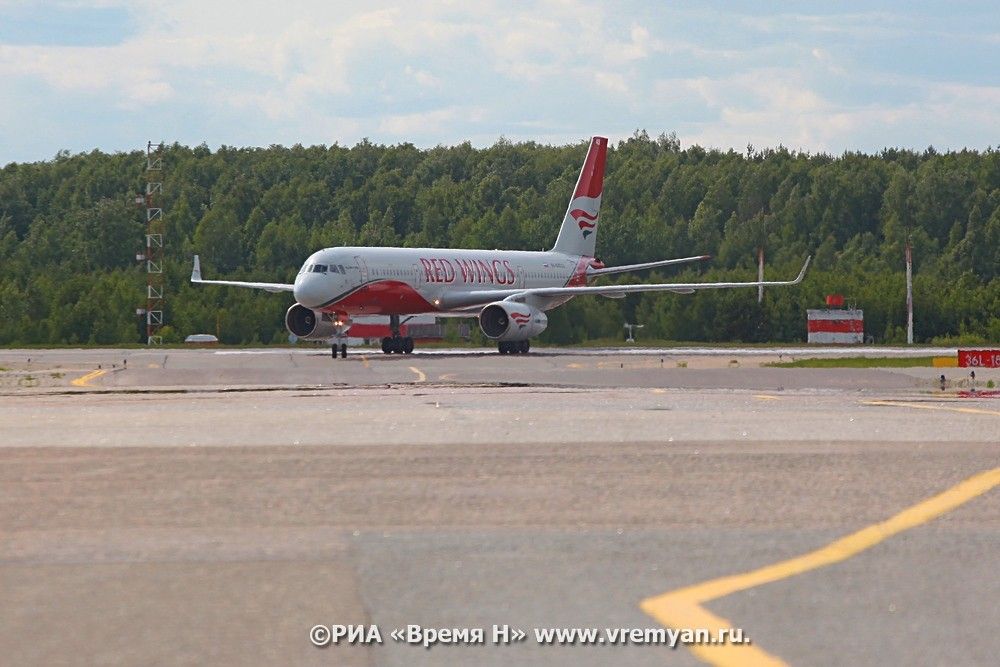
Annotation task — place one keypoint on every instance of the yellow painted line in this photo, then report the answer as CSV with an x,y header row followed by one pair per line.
x,y
447,377
574,365
420,374
659,391
84,381
767,397
152,365
682,608
364,361
925,406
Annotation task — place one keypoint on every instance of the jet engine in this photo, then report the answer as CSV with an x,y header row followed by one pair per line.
x,y
506,321
309,324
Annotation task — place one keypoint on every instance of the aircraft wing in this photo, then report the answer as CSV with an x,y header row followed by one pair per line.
x,y
681,288
469,299
268,287
646,265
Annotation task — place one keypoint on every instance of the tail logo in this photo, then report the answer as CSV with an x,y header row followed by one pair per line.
x,y
521,319
586,221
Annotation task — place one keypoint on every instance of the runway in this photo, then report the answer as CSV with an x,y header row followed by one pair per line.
x,y
193,506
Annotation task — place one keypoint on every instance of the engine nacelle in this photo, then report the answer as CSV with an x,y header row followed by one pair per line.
x,y
309,324
505,320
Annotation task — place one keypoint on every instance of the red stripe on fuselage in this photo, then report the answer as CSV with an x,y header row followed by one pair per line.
x,y
385,297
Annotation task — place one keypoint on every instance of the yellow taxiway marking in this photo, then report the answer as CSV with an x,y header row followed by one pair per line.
x,y
420,374
447,377
84,381
659,391
925,406
574,365
364,361
683,608
767,397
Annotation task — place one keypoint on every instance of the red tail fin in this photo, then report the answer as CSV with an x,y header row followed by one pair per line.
x,y
591,182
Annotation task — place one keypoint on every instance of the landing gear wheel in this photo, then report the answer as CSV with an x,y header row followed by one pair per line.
x,y
387,345
333,351
524,347
407,345
343,351
503,347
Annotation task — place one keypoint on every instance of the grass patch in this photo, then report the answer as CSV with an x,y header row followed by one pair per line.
x,y
856,362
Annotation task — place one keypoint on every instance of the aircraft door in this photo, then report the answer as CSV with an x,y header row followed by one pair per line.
x,y
362,268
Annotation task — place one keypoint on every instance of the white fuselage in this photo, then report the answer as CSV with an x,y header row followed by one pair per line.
x,y
409,281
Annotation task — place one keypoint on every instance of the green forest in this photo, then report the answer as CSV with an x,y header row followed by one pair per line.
x,y
70,230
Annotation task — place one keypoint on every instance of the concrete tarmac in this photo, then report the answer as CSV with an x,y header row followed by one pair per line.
x,y
197,506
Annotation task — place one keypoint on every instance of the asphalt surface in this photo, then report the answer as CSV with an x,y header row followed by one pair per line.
x,y
192,507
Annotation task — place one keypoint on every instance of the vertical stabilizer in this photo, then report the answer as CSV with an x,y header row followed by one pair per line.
x,y
578,234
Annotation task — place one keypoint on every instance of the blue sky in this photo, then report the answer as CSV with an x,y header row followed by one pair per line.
x,y
830,76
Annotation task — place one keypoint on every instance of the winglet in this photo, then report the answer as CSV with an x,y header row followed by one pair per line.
x,y
196,270
802,273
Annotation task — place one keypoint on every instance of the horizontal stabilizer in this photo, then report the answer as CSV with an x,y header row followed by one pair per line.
x,y
646,265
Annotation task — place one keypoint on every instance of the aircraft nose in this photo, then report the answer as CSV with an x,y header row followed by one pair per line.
x,y
308,290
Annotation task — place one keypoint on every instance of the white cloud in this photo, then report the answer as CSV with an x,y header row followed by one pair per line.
x,y
409,125
444,71
776,106
423,78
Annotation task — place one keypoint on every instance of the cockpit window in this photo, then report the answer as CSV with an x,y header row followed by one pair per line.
x,y
305,268
319,268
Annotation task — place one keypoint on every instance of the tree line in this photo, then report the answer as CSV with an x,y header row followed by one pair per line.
x,y
70,230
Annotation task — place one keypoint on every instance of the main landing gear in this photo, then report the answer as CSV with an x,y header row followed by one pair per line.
x,y
395,343
514,347
342,348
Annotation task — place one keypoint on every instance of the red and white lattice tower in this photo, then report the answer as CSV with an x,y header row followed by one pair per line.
x,y
154,243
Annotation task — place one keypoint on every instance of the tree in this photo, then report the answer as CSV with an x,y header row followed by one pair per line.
x,y
379,230
218,238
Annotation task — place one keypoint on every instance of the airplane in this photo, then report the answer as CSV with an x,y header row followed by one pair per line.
x,y
509,291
